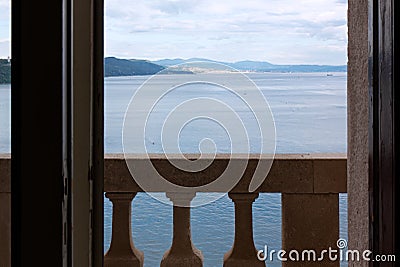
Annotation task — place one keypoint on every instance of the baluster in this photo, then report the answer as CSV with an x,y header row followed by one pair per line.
x,y
243,252
182,253
122,251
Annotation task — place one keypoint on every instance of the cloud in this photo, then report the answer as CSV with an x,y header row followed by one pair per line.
x,y
223,30
174,7
5,3
5,10
192,28
219,37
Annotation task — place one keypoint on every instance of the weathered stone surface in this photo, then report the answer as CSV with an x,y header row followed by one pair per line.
x,y
290,173
182,252
358,123
330,175
5,229
172,259
310,222
122,251
243,251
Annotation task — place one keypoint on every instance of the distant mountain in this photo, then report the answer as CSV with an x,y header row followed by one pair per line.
x,y
252,65
176,61
169,62
248,65
124,67
5,71
197,65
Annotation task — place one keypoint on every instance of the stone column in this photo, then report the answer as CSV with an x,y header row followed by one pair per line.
x,y
310,222
358,126
122,251
182,252
5,211
243,252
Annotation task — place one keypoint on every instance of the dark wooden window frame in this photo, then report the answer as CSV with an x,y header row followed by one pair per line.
x,y
41,116
384,142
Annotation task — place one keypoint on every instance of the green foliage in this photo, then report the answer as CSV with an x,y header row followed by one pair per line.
x,y
5,71
124,67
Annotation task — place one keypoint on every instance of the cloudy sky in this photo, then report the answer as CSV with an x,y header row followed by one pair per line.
x,y
5,10
278,31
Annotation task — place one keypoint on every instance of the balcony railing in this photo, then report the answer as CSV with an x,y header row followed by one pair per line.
x,y
309,185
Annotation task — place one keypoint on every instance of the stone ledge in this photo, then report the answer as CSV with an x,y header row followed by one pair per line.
x,y
290,173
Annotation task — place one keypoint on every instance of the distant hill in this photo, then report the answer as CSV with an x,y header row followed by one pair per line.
x,y
5,71
169,62
252,65
256,66
124,67
112,67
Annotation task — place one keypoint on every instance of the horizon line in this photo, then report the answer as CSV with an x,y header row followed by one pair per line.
x,y
223,61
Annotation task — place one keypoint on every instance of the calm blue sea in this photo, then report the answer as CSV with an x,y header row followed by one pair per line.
x,y
310,116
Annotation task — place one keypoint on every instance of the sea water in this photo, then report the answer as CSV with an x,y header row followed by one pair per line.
x,y
309,111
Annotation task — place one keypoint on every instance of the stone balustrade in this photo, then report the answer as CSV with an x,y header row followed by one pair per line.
x,y
309,185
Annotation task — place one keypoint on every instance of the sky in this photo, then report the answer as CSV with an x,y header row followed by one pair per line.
x,y
277,31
